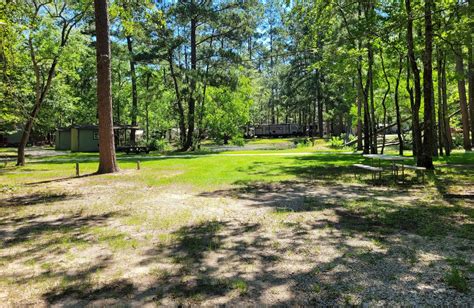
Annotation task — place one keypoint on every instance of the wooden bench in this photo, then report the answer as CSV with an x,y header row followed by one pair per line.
x,y
412,167
372,169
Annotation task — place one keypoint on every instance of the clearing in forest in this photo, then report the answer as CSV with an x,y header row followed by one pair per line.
x,y
234,229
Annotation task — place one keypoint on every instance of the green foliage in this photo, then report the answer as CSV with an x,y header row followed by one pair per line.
x,y
336,142
228,110
240,285
303,142
238,140
457,280
159,145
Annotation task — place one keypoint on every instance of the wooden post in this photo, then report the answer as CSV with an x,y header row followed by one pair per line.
x,y
138,165
77,169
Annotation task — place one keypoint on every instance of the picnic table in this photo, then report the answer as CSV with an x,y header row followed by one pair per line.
x,y
392,158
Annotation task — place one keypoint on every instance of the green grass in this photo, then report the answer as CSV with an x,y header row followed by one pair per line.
x,y
457,280
240,285
58,219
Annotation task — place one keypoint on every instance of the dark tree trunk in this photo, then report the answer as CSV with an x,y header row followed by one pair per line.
x,y
40,95
397,106
147,102
363,95
447,128
470,77
412,104
441,115
107,160
320,110
417,145
179,103
192,89
462,98
133,74
426,159
359,121
370,79
384,121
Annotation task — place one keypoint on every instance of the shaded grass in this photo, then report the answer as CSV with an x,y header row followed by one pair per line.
x,y
190,238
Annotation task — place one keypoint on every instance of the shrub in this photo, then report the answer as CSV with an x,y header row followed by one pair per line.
x,y
159,145
302,142
238,141
458,140
336,142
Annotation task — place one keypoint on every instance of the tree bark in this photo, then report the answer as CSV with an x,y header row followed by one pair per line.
x,y
397,107
107,160
42,86
447,128
370,79
470,68
133,75
192,88
417,145
462,98
441,141
320,109
179,104
426,159
470,77
147,102
384,98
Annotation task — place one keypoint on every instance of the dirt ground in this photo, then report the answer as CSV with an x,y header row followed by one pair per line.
x,y
94,241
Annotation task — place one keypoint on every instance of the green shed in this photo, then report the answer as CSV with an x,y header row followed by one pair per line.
x,y
63,139
84,138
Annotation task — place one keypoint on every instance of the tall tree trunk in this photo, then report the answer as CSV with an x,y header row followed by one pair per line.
x,y
447,128
200,124
147,102
417,146
397,106
192,88
426,159
133,74
384,121
439,65
409,89
320,109
363,95
179,103
359,122
42,83
40,94
462,98
370,79
470,77
107,160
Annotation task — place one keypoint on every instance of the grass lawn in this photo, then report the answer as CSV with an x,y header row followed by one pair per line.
x,y
236,229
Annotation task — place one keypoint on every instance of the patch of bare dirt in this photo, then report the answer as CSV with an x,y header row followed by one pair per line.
x,y
291,243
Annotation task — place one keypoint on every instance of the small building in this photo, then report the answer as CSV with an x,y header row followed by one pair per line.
x,y
85,138
63,139
10,138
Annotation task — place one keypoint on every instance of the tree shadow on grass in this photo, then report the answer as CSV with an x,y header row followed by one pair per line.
x,y
36,198
38,239
60,179
231,262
